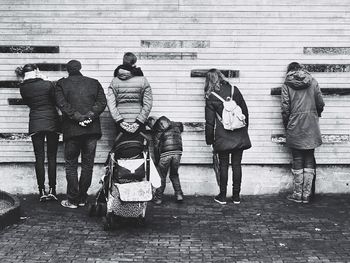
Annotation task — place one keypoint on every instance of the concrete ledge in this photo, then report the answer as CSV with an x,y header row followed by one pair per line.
x,y
9,215
195,179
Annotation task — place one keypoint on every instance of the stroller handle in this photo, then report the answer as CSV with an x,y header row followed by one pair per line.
x,y
116,140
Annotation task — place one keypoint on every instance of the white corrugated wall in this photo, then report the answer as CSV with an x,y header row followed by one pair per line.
x,y
257,37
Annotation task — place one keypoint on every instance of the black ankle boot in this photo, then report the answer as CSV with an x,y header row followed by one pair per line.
x,y
52,194
42,195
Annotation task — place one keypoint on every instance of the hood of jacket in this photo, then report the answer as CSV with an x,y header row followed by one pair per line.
x,y
133,71
298,80
124,74
162,124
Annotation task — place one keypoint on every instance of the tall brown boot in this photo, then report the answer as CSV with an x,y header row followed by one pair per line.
x,y
297,186
309,174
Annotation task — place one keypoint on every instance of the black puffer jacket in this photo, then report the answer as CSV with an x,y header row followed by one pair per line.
x,y
78,96
166,136
38,95
225,140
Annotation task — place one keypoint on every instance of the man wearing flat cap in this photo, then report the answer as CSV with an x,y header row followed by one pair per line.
x,y
81,100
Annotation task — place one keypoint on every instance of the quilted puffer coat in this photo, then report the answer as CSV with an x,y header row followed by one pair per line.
x,y
129,98
166,136
302,104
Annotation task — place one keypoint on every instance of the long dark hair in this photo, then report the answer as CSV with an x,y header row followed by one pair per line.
x,y
213,79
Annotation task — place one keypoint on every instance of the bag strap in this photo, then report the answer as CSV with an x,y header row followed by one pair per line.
x,y
216,95
232,92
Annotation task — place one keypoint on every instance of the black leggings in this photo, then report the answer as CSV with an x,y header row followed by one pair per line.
x,y
236,159
38,140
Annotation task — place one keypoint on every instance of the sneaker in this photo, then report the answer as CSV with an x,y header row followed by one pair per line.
x,y
219,199
305,200
179,198
42,195
157,201
68,204
294,198
52,195
236,200
82,203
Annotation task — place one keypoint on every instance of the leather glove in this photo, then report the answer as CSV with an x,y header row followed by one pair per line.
x,y
125,126
134,127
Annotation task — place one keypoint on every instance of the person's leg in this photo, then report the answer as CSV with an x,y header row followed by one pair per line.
x,y
88,151
297,171
38,141
236,160
223,163
71,154
309,173
52,146
163,167
174,176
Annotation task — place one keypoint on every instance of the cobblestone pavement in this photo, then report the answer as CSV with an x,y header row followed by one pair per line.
x,y
260,229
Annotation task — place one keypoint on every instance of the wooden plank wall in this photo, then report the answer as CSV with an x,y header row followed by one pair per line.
x,y
258,38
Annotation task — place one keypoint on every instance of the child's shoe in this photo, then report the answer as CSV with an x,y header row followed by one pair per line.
x,y
82,203
157,201
179,198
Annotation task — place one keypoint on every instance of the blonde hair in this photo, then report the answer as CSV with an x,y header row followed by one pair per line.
x,y
213,79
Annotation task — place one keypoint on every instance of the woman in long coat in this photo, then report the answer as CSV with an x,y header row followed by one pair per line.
x,y
302,105
225,142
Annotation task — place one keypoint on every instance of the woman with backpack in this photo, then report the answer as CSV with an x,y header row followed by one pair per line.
x,y
226,138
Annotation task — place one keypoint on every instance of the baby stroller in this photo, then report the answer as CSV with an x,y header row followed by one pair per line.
x,y
126,187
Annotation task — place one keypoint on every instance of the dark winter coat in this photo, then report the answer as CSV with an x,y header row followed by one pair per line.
x,y
166,136
38,95
80,97
225,140
302,104
129,98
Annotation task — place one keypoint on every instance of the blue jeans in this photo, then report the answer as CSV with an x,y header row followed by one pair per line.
x,y
38,140
86,145
303,159
172,161
236,159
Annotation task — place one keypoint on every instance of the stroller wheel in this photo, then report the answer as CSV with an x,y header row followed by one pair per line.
x,y
106,223
92,210
141,221
101,209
